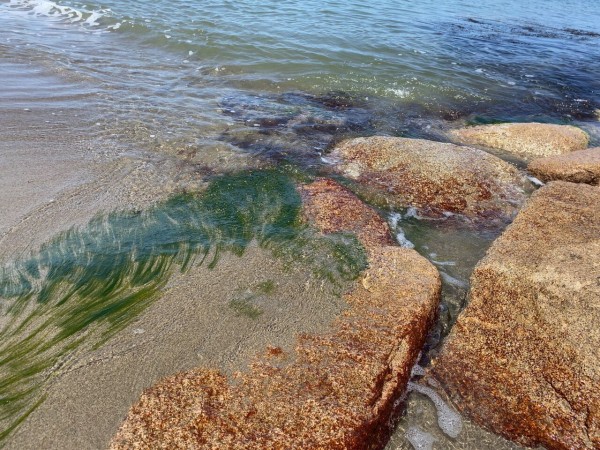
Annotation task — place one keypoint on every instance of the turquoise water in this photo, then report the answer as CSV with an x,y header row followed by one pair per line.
x,y
187,69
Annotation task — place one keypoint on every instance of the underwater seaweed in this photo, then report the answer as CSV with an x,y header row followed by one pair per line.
x,y
89,282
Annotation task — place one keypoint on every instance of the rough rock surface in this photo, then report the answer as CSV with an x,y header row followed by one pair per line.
x,y
338,391
434,177
523,357
525,139
581,166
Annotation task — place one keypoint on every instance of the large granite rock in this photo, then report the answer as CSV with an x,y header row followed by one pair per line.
x,y
581,166
435,177
525,139
338,390
523,358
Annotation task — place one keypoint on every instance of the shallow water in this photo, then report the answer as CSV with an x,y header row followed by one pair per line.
x,y
87,284
172,73
222,86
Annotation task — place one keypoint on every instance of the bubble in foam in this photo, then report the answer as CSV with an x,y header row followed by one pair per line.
x,y
419,439
448,420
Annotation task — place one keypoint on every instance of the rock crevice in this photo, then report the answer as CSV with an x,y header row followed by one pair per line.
x,y
522,358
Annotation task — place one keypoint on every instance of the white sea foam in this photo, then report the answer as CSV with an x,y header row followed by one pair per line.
x,y
419,439
48,8
448,420
402,239
535,181
92,20
398,92
453,281
443,263
412,212
395,219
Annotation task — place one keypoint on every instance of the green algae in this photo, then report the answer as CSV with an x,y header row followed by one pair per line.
x,y
244,307
88,283
266,287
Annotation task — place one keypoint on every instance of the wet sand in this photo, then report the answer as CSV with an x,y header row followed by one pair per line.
x,y
32,171
53,177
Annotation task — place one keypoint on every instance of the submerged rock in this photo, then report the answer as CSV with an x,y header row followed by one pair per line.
x,y
523,356
525,139
339,390
581,166
332,208
437,178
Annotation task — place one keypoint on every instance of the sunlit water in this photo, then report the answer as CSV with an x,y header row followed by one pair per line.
x,y
280,81
189,70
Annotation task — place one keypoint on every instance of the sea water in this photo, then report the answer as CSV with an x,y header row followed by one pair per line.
x,y
282,81
191,67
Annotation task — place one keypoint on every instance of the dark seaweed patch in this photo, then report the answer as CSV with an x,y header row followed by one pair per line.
x,y
581,33
294,126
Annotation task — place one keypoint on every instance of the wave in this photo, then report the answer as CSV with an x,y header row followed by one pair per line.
x,y
89,18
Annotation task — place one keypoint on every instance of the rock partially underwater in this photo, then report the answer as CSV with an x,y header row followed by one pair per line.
x,y
581,166
523,356
437,178
528,140
89,283
339,390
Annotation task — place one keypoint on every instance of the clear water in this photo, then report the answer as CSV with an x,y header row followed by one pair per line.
x,y
283,80
189,69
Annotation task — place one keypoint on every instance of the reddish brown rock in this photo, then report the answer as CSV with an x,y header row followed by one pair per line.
x,y
435,177
582,166
528,140
338,391
523,357
332,208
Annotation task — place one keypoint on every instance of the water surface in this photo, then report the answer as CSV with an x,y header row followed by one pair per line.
x,y
278,82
